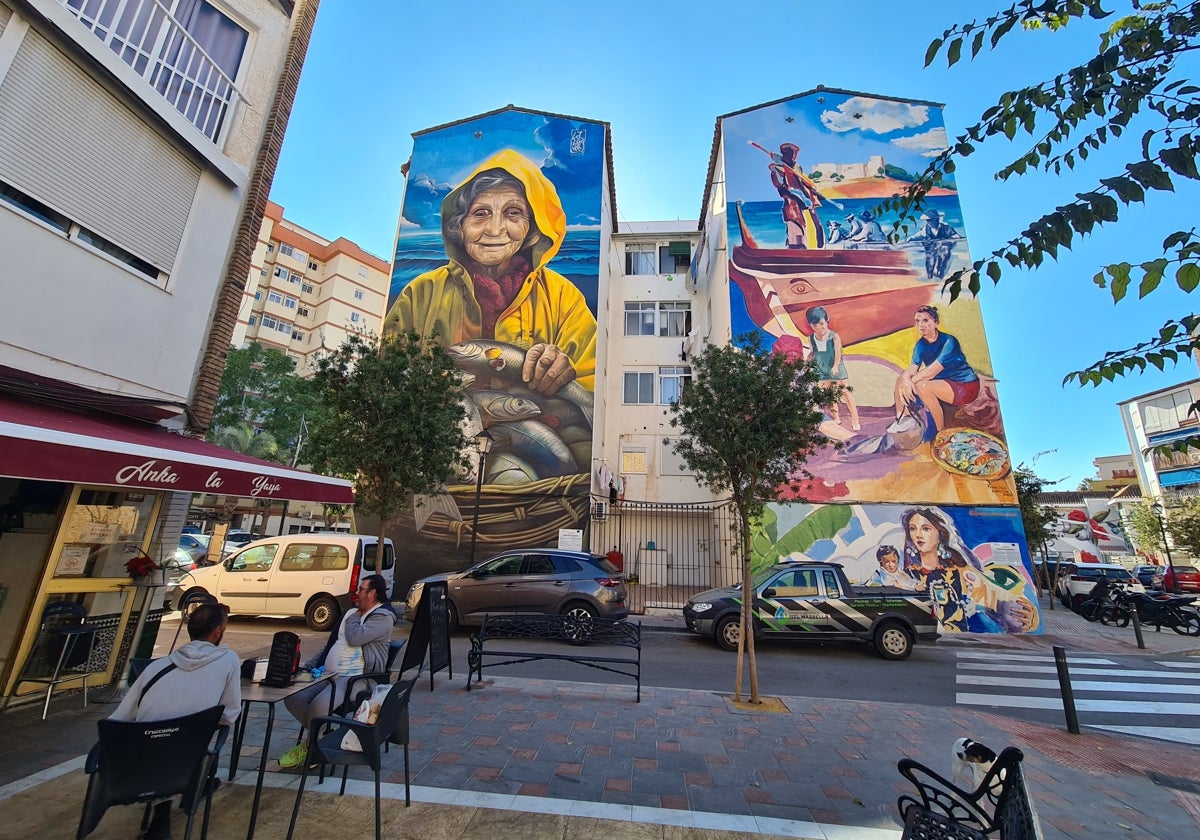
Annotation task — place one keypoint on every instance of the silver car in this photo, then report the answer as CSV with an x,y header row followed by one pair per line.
x,y
535,580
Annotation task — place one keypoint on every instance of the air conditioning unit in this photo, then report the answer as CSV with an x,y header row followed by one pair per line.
x,y
600,511
305,514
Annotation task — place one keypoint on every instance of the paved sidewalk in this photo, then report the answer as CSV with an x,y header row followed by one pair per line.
x,y
688,759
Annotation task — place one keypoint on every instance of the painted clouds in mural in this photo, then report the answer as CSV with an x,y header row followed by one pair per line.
x,y
968,561
498,256
812,267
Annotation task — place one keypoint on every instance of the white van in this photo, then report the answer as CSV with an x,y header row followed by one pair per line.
x,y
310,575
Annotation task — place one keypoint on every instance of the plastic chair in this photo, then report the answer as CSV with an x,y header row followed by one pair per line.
x,y
327,748
153,760
64,626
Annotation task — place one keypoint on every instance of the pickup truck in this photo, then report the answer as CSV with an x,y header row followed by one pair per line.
x,y
815,600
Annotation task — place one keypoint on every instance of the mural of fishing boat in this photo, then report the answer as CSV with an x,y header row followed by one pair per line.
x,y
867,293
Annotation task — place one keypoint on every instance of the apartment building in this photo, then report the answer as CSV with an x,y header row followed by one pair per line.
x,y
1157,418
305,293
138,141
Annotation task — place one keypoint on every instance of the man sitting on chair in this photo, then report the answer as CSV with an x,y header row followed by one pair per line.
x,y
358,645
193,678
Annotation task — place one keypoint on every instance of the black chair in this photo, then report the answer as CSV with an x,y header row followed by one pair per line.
x,y
153,760
351,699
327,748
63,651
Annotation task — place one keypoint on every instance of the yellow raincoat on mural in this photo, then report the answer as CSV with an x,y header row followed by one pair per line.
x,y
548,309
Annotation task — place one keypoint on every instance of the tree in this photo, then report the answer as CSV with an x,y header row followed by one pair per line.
x,y
1087,485
1145,528
1036,518
1082,110
750,421
391,420
244,438
1183,523
260,387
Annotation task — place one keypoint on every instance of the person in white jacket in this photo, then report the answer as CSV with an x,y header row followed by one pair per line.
x,y
196,677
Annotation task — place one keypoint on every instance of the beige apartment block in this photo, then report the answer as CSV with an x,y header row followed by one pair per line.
x,y
306,293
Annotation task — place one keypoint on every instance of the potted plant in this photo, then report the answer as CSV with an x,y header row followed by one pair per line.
x,y
144,571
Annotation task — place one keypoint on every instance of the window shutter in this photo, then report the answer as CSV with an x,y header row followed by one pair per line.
x,y
68,142
679,249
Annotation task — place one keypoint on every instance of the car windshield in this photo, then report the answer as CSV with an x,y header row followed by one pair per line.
x,y
1185,570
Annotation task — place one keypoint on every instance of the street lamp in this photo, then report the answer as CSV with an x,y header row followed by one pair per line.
x,y
1158,513
483,445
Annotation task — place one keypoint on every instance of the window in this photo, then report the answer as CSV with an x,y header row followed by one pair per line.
x,y
290,303
294,253
639,388
633,461
256,559
639,318
282,272
796,583
297,335
312,266
358,294
354,317
640,259
671,382
832,589
1168,412
11,195
302,311
296,278
263,271
284,327
258,294
274,297
306,288
307,557
676,256
270,247
268,322
253,320
674,318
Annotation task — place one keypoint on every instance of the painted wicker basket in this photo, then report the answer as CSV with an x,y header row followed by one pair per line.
x,y
513,515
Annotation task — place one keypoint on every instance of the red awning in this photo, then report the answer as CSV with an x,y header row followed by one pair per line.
x,y
52,444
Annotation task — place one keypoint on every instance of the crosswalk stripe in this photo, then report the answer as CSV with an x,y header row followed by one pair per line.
x,y
1083,672
1077,685
1028,657
1165,733
1081,704
1179,664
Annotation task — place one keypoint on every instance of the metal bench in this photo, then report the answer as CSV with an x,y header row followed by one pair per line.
x,y
999,807
513,631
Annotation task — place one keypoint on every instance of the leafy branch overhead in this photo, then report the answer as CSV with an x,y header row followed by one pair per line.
x,y
1069,117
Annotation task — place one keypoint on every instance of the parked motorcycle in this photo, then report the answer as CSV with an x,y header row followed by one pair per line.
x,y
1098,598
1174,611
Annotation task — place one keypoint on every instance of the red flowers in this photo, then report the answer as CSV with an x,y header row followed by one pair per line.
x,y
140,565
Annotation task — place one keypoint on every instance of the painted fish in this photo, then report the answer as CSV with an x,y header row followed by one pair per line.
x,y
556,413
537,443
425,506
508,468
502,407
504,361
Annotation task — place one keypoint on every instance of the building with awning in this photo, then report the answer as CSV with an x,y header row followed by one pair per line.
x,y
129,208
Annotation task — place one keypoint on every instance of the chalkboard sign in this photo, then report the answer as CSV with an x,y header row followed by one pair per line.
x,y
439,630
430,633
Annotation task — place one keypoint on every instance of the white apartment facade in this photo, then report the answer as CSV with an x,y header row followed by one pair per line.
x,y
1157,418
136,139
306,293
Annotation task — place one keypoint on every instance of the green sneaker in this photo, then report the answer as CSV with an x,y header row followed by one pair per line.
x,y
294,757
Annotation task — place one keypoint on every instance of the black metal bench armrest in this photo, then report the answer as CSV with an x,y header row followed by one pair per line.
x,y
1000,799
939,796
923,824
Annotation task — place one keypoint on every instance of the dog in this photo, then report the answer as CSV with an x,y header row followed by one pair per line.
x,y
971,761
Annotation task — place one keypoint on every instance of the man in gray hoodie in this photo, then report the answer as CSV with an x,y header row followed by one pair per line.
x,y
196,677
202,674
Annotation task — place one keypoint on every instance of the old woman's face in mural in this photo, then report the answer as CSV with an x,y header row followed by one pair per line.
x,y
495,228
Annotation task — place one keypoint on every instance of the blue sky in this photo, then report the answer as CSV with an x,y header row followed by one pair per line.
x,y
661,72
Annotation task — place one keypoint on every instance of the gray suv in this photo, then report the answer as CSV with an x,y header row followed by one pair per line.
x,y
535,580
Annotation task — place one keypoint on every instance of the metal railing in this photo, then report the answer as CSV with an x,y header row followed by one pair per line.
x,y
670,551
145,35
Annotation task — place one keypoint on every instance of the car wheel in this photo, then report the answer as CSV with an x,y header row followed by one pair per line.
x,y
579,615
729,630
892,641
322,614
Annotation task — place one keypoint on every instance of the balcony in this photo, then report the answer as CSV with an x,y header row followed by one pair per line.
x,y
148,37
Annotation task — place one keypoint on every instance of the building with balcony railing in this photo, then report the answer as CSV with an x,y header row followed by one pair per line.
x,y
138,140
1161,419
